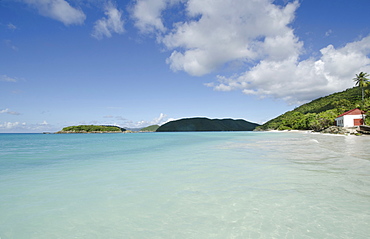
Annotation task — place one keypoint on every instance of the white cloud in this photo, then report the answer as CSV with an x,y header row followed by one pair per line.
x,y
7,111
59,10
226,31
11,26
258,36
160,120
300,81
23,127
104,27
148,14
328,33
7,78
11,125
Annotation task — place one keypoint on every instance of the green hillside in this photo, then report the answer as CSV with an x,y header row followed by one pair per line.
x,y
320,113
204,124
151,128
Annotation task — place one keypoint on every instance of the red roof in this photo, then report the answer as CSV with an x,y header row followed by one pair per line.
x,y
352,112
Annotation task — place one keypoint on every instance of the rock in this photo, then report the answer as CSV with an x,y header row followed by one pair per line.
x,y
340,130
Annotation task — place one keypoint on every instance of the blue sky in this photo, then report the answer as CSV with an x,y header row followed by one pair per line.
x,y
142,62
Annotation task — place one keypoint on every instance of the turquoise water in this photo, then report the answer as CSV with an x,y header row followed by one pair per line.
x,y
184,185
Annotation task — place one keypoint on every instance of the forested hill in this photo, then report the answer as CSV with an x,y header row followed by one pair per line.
x,y
318,114
205,124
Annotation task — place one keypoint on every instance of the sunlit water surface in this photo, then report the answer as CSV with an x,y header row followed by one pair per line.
x,y
184,185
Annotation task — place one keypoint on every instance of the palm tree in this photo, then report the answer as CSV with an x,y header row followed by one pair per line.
x,y
362,82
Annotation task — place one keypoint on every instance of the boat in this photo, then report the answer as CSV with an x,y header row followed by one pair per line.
x,y
364,129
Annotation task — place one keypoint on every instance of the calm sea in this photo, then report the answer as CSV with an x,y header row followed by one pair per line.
x,y
184,185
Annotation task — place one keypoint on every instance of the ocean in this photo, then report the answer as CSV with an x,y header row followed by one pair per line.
x,y
184,185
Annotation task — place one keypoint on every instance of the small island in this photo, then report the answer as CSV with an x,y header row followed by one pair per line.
x,y
83,129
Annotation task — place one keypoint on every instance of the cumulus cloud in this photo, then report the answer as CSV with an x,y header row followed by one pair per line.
x,y
300,81
224,31
147,15
113,23
7,111
59,10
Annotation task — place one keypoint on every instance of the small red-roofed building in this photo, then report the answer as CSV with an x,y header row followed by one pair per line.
x,y
350,118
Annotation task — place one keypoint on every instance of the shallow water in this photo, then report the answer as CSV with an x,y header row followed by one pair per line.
x,y
184,185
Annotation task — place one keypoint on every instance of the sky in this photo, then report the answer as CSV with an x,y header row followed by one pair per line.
x,y
135,63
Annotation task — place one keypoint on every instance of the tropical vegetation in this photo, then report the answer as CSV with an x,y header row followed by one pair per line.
x,y
92,128
321,113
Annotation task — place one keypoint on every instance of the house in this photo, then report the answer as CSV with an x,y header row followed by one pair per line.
x,y
350,118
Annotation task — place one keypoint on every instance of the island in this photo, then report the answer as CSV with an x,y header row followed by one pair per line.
x,y
91,129
205,124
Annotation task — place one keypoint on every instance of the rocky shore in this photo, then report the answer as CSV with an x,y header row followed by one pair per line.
x,y
341,130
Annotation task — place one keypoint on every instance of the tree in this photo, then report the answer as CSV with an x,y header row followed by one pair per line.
x,y
367,93
342,105
323,120
362,82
